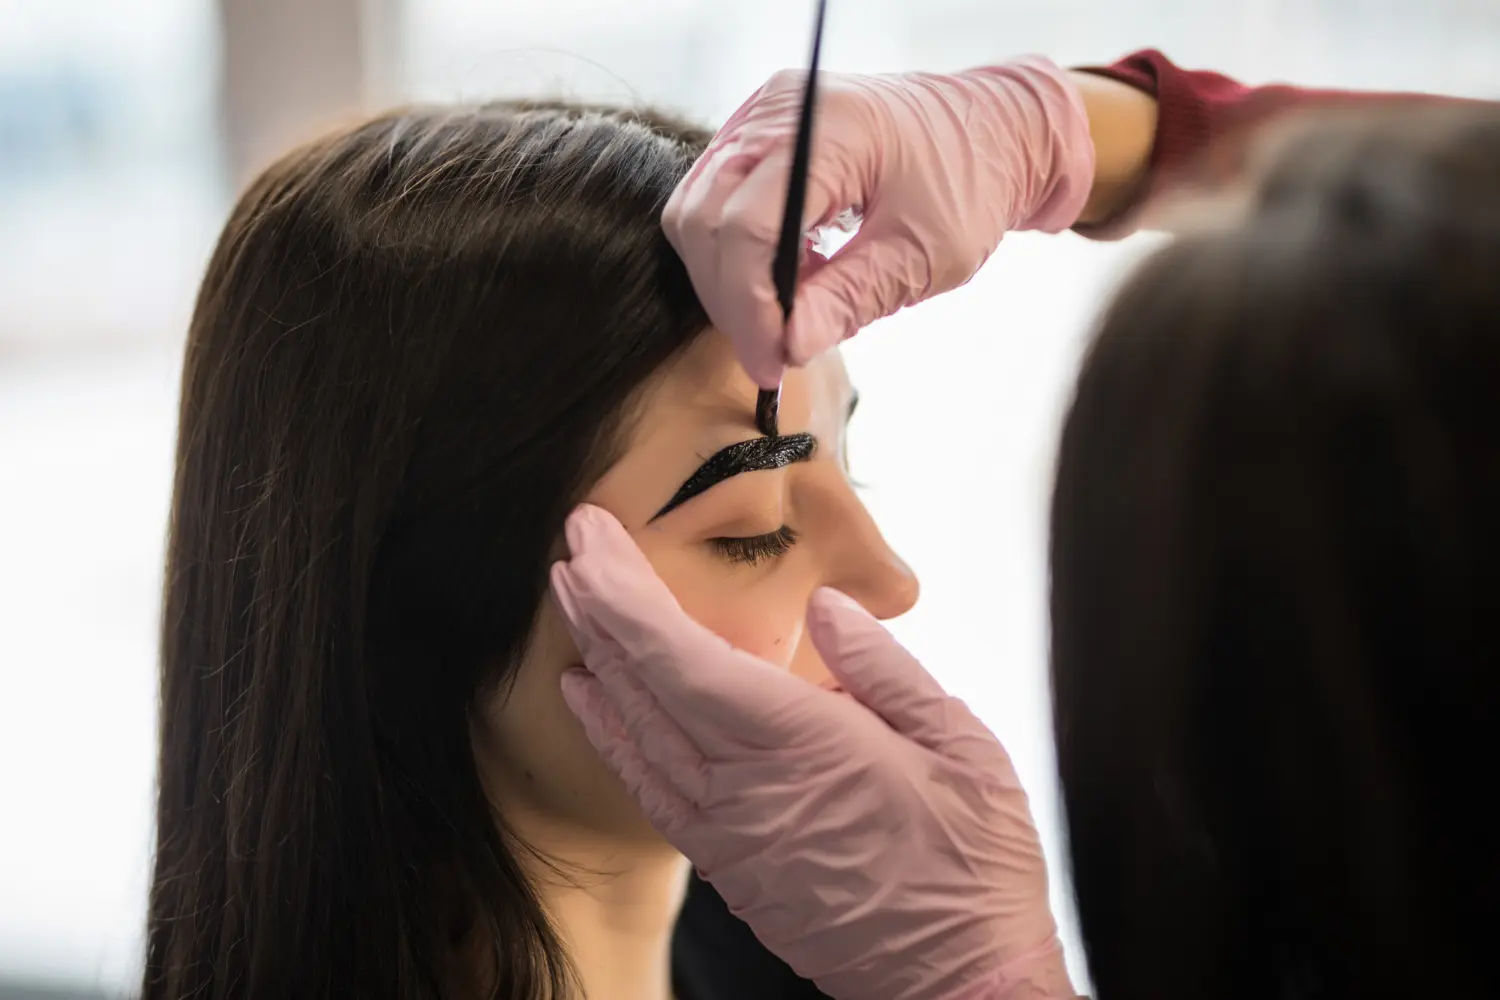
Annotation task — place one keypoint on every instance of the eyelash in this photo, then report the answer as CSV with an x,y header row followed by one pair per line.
x,y
756,548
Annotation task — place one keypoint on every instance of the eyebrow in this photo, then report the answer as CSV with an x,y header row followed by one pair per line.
x,y
754,455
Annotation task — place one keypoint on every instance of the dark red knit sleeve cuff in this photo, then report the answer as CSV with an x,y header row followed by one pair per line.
x,y
1204,121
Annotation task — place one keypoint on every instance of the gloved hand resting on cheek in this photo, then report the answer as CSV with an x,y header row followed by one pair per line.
x,y
941,167
877,840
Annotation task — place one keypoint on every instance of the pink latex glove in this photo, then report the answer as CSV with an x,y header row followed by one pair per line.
x,y
877,840
940,167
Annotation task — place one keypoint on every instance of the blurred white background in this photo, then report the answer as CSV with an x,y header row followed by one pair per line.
x,y
122,129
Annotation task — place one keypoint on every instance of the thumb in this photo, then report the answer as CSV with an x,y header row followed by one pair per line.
x,y
865,281
871,665
875,669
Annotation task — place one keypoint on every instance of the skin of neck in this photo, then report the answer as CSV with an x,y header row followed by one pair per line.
x,y
615,905
613,901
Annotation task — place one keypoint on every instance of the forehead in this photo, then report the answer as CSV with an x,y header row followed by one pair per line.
x,y
705,387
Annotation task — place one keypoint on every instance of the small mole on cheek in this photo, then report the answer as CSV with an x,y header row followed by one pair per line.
x,y
779,640
529,775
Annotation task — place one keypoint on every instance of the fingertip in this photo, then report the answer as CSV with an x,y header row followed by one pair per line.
x,y
576,684
591,528
561,586
757,338
827,609
671,212
827,602
575,530
614,549
814,327
579,627
557,577
768,374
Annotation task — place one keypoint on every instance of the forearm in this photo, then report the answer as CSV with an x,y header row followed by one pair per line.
x,y
1122,123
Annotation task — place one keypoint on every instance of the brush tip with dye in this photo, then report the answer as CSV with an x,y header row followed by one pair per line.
x,y
768,411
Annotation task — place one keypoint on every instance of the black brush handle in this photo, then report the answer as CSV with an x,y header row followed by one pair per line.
x,y
789,248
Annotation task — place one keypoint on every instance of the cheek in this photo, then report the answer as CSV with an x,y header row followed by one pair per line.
x,y
760,612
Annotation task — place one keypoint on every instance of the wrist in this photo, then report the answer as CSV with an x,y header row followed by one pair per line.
x,y
1041,106
1122,124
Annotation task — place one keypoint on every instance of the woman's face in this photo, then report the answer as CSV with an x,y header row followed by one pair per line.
x,y
775,522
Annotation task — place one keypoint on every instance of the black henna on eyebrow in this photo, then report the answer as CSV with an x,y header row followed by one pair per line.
x,y
754,455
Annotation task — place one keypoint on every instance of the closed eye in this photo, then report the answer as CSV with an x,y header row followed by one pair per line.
x,y
755,549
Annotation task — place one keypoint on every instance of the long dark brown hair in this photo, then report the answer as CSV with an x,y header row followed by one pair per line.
x,y
1276,586
415,346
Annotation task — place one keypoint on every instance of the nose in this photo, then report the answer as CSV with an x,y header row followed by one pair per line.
x,y
863,565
